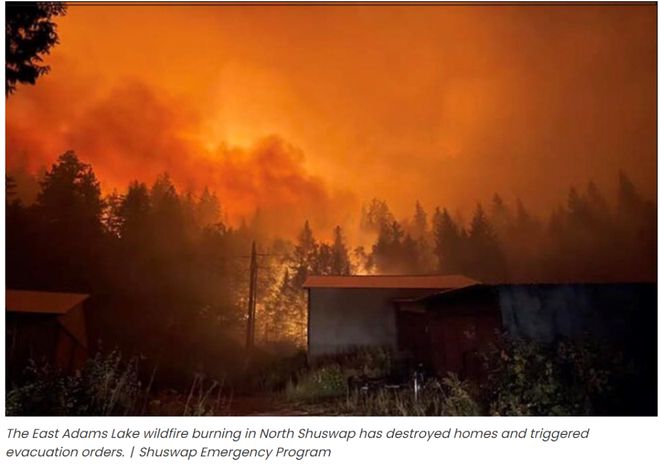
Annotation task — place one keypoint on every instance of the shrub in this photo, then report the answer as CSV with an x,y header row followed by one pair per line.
x,y
330,375
105,386
205,398
273,375
562,378
319,383
368,361
458,398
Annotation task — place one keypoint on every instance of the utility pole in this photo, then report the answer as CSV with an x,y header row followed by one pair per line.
x,y
252,299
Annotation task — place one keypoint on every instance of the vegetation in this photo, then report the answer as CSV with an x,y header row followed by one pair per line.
x,y
30,33
334,375
168,276
522,378
108,385
449,397
560,379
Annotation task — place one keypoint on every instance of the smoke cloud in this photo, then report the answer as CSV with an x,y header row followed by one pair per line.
x,y
441,104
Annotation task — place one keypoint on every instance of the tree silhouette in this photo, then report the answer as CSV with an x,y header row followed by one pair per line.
x,y
419,223
388,251
375,216
207,208
630,202
485,257
30,33
305,256
69,212
340,262
449,243
500,215
70,196
111,217
134,212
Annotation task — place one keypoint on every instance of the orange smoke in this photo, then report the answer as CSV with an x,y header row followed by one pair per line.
x,y
132,133
441,104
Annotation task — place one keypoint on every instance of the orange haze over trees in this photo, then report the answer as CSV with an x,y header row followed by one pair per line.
x,y
309,112
507,143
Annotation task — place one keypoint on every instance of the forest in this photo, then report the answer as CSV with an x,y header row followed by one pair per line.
x,y
168,276
173,262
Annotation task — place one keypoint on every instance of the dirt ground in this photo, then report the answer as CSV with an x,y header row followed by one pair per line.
x,y
270,406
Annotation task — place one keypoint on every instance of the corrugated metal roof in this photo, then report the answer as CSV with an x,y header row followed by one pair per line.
x,y
41,302
390,281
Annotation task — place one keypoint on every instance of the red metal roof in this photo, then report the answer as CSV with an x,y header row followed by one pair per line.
x,y
390,281
41,302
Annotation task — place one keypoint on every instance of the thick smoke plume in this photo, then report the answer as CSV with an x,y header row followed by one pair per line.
x,y
132,133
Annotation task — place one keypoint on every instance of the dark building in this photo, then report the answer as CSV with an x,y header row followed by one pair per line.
x,y
45,325
447,330
446,321
351,311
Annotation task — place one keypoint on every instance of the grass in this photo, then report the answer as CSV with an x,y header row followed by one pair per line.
x,y
109,385
450,397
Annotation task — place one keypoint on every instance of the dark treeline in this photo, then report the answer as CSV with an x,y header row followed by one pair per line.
x,y
169,278
584,239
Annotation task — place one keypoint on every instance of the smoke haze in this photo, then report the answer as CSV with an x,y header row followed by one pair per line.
x,y
309,111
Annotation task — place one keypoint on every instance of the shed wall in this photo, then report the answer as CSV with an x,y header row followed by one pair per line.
x,y
341,319
623,312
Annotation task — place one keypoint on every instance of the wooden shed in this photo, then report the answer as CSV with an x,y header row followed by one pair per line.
x,y
447,330
445,322
345,312
45,325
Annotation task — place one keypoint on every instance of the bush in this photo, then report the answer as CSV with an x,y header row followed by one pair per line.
x,y
104,386
330,375
563,378
274,374
317,384
373,362
458,398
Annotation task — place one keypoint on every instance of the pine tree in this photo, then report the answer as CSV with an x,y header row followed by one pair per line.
x,y
134,212
207,209
375,216
112,219
486,260
305,256
340,261
70,196
449,243
420,224
501,216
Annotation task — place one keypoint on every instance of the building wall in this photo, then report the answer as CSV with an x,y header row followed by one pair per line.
x,y
623,312
29,336
55,338
459,329
341,319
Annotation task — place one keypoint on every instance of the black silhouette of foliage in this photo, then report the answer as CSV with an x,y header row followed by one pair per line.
x,y
30,34
449,243
340,263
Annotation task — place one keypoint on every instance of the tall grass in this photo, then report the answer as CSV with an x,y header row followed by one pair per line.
x,y
109,385
450,397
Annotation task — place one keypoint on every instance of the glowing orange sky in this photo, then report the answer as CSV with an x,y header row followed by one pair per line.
x,y
445,104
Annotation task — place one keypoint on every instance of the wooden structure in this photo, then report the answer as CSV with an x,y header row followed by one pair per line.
x,y
448,331
346,312
45,326
445,322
